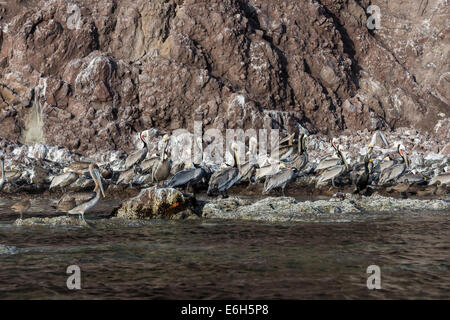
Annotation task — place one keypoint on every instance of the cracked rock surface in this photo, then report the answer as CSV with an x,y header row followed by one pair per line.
x,y
86,75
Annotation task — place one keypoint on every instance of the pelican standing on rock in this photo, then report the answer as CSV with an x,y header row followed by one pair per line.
x,y
161,168
395,171
88,200
248,169
280,179
78,167
285,151
329,162
186,177
63,180
189,176
140,155
224,178
335,171
443,178
301,159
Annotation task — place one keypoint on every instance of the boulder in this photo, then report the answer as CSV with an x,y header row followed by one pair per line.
x,y
156,203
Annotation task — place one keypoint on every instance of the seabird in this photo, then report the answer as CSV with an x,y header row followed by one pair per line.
x,y
248,169
88,201
140,155
301,159
335,171
186,178
329,162
394,172
161,168
224,178
280,179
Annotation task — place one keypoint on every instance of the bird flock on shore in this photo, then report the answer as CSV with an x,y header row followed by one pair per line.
x,y
292,162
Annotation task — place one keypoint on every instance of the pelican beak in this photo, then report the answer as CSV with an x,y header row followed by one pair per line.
x,y
99,180
335,146
305,138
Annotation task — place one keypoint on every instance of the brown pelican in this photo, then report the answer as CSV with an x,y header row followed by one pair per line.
x,y
280,180
140,155
21,207
395,171
329,162
284,152
335,171
127,176
411,178
443,178
147,165
386,163
288,139
301,159
224,178
187,177
88,200
248,169
63,180
78,167
161,168
266,170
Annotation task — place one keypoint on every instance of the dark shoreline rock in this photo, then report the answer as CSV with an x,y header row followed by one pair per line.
x,y
130,65
156,203
286,209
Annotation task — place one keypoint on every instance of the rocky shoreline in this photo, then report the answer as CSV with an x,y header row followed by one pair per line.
x,y
35,167
341,208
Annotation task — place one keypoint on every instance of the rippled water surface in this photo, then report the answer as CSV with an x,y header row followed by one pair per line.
x,y
225,259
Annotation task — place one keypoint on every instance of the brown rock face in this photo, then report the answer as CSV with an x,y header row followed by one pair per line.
x,y
88,74
156,203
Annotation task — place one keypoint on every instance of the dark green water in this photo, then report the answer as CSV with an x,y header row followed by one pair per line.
x,y
226,259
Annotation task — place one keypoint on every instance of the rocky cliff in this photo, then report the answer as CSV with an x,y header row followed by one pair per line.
x,y
88,74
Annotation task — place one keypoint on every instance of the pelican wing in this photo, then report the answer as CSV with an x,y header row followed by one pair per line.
x,y
279,179
247,171
184,177
148,164
126,176
392,173
223,179
161,170
411,178
85,206
135,158
299,162
63,180
266,171
331,173
79,167
72,199
386,164
442,178
328,163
